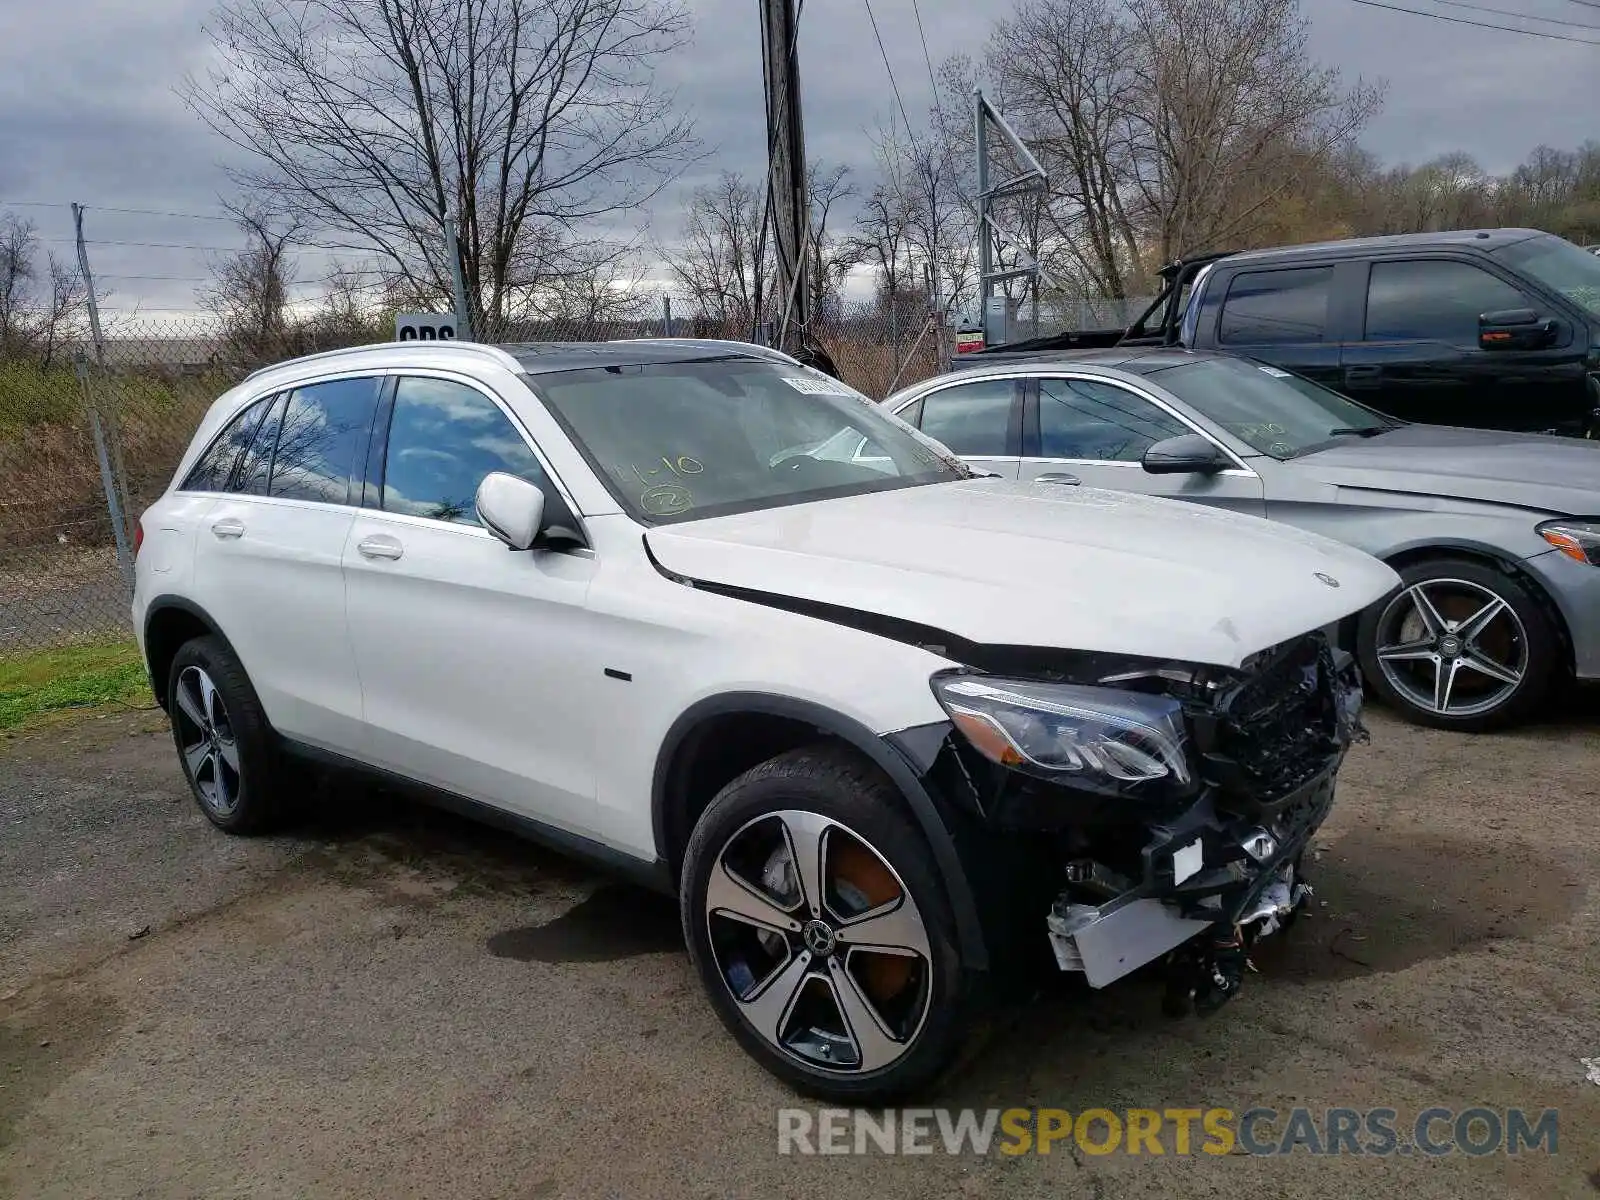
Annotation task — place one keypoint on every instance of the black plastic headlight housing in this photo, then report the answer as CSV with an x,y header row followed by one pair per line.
x,y
1098,739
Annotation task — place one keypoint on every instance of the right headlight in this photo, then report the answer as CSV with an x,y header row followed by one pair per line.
x,y
1098,738
1576,537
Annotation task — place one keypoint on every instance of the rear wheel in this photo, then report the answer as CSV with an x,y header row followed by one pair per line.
x,y
1460,645
821,933
222,737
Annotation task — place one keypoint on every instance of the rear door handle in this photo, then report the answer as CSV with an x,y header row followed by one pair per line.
x,y
228,527
380,546
1057,477
1363,375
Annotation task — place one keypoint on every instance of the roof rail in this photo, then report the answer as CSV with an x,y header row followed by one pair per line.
x,y
480,349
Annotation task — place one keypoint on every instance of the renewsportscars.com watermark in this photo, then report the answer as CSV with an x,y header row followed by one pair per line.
x,y
1178,1131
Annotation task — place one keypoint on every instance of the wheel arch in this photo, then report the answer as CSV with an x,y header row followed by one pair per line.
x,y
169,622
761,725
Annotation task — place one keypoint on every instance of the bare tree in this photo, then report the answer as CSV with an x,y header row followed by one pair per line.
x,y
43,303
1221,85
19,249
831,257
64,316
613,291
717,258
372,120
1069,77
249,291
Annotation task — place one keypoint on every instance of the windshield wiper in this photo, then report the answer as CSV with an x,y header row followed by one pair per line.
x,y
1365,431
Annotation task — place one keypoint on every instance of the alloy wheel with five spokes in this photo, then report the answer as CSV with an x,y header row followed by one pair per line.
x,y
207,741
1452,647
819,942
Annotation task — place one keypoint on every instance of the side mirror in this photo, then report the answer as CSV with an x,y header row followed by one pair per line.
x,y
510,508
1517,329
1185,454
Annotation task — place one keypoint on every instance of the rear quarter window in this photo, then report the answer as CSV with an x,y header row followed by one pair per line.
x,y
215,467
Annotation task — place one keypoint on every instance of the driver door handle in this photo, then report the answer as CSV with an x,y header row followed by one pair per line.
x,y
1363,374
228,527
380,545
1057,477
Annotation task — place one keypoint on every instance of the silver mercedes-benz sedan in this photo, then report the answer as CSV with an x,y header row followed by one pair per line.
x,y
1496,536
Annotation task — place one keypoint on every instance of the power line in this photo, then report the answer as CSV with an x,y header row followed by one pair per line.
x,y
1554,37
145,245
916,11
1521,16
157,278
895,86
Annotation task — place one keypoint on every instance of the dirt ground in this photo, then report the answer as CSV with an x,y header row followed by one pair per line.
x,y
393,1003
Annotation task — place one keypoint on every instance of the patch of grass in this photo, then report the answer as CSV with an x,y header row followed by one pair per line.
x,y
93,675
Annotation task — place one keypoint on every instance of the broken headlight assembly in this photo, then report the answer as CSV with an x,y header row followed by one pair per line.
x,y
1095,738
1575,537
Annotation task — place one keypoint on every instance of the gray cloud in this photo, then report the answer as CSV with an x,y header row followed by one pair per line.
x,y
89,114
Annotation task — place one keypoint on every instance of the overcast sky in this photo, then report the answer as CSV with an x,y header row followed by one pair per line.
x,y
87,111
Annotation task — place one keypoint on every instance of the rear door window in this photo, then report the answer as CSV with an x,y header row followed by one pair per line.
x,y
1277,307
324,427
970,418
1434,300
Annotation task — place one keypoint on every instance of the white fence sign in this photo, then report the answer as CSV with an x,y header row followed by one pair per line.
x,y
425,327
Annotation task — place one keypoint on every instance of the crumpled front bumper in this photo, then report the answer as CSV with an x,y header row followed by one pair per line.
x,y
1206,871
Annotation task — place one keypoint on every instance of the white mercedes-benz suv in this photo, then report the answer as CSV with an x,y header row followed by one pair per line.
x,y
882,724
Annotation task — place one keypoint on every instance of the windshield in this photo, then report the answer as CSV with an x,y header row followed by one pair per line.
x,y
1273,411
678,441
1560,266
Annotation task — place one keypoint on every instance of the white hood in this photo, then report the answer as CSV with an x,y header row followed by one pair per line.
x,y
1004,563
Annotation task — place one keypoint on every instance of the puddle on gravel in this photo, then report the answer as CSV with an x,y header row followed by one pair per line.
x,y
615,922
1395,899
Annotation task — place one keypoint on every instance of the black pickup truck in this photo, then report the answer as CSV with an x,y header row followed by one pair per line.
x,y
1491,328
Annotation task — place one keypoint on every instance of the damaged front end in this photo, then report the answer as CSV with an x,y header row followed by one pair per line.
x,y
1150,810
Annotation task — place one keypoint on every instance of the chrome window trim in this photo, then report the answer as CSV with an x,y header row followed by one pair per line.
x,y
1239,468
255,397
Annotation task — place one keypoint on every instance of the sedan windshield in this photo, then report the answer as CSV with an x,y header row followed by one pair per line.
x,y
1272,411
678,441
1559,265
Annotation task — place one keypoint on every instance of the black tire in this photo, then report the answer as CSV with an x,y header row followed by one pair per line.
x,y
838,785
255,806
1526,631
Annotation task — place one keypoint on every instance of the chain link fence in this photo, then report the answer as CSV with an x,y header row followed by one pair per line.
x,y
88,442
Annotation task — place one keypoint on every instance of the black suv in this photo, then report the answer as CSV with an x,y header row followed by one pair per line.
x,y
1492,328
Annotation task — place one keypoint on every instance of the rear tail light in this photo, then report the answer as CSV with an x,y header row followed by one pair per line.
x,y
138,536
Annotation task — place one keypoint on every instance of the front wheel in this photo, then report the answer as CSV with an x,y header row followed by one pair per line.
x,y
820,930
1460,645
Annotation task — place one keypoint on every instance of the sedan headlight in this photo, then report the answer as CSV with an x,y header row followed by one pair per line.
x,y
1575,537
1097,738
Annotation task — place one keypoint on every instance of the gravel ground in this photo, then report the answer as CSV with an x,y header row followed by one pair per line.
x,y
393,1003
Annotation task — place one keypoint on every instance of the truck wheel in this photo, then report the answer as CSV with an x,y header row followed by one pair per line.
x,y
821,932
222,737
1460,645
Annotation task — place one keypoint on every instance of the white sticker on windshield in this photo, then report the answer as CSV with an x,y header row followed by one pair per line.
x,y
818,385
1274,372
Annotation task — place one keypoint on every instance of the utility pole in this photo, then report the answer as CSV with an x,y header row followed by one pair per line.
x,y
107,436
458,284
786,170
